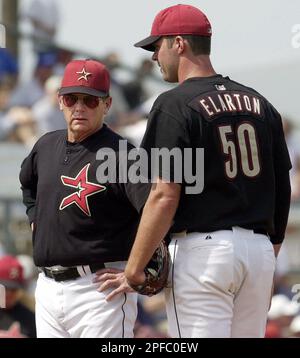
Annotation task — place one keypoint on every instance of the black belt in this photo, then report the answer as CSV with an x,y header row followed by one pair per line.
x,y
260,231
68,273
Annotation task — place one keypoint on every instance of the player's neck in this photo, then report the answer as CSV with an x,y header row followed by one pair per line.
x,y
199,66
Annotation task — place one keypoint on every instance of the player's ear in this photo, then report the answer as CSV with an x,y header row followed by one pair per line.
x,y
179,44
107,102
60,102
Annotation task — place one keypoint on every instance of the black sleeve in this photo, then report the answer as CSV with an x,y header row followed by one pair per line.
x,y
282,165
28,180
165,131
138,194
135,187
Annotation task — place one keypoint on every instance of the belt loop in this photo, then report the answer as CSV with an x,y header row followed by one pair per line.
x,y
80,270
87,269
179,234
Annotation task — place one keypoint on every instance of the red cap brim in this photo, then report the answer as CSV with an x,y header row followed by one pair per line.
x,y
147,43
81,89
11,284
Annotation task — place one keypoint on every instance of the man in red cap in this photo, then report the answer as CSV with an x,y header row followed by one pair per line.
x,y
16,320
81,221
225,236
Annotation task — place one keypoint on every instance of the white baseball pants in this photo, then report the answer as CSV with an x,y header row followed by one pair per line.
x,y
220,284
75,309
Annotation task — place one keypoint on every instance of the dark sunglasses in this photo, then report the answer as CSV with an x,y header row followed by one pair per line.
x,y
90,101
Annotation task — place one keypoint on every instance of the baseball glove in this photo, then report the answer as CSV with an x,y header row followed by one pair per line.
x,y
156,271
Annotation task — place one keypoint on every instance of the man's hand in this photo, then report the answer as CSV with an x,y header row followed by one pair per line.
x,y
113,278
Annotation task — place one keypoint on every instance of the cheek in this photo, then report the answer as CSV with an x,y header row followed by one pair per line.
x,y
67,114
105,110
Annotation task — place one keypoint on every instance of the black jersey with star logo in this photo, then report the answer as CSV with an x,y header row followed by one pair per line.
x,y
78,220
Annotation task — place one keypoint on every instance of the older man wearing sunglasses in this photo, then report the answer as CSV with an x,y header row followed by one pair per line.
x,y
80,224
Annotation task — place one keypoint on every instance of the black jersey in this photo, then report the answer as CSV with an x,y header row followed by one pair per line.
x,y
244,154
78,220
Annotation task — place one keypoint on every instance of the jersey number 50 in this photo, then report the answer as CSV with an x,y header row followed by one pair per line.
x,y
240,146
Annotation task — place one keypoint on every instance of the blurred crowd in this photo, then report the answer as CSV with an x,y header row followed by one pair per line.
x,y
30,109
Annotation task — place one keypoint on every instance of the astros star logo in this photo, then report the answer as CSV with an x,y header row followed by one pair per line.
x,y
14,273
85,189
84,75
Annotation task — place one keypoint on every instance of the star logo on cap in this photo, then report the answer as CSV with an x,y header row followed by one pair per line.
x,y
84,190
14,273
84,75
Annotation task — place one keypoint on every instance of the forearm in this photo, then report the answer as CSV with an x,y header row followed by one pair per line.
x,y
156,221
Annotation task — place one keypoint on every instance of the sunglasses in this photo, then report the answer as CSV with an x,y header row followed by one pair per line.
x,y
90,101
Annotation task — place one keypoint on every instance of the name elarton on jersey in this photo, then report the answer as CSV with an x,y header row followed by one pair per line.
x,y
219,103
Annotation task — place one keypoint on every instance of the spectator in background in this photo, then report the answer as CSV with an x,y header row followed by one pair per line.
x,y
30,274
2,251
292,141
145,325
44,17
295,327
282,285
64,56
27,94
8,66
134,90
6,123
118,113
46,111
15,314
281,313
16,124
23,127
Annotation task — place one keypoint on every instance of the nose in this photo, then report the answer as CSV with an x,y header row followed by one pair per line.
x,y
79,105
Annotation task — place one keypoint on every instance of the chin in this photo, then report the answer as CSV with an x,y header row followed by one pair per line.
x,y
79,125
169,77
170,80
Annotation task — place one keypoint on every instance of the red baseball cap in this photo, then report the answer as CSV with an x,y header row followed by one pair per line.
x,y
176,20
85,76
11,272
